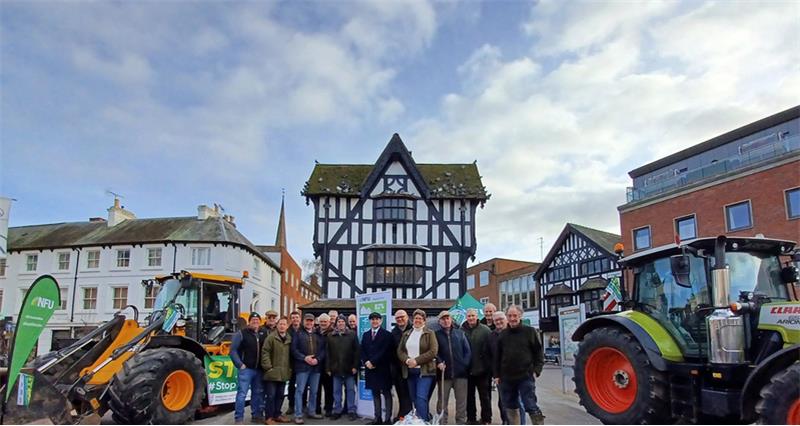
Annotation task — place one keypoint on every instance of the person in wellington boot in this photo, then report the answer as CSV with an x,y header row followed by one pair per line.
x,y
402,324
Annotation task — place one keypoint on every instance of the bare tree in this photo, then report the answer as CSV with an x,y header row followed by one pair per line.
x,y
311,267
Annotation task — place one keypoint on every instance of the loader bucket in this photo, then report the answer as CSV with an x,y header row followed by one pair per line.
x,y
37,402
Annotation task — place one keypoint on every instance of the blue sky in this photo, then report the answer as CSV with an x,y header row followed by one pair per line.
x,y
175,104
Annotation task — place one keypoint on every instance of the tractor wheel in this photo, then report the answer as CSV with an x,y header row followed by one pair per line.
x,y
158,386
780,399
616,382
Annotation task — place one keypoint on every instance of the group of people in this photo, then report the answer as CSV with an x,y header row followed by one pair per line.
x,y
325,354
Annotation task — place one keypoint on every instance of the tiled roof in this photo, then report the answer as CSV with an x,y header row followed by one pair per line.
x,y
604,239
131,231
444,180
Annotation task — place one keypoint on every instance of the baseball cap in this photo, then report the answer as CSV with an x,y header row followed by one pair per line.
x,y
375,315
254,315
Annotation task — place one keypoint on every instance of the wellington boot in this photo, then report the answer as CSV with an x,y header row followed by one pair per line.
x,y
537,418
513,416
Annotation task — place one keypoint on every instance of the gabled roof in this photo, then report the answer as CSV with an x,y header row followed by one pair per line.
x,y
594,283
437,180
130,232
559,289
605,241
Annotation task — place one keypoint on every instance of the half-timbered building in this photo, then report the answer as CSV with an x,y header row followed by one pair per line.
x,y
395,225
575,271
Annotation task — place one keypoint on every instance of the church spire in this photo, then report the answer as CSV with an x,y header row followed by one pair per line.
x,y
280,238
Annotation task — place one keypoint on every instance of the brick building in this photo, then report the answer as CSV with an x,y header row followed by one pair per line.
x,y
483,279
293,293
743,183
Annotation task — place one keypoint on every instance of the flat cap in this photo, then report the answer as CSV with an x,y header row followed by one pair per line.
x,y
375,315
308,317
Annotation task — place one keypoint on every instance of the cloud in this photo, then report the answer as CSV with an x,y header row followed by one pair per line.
x,y
602,90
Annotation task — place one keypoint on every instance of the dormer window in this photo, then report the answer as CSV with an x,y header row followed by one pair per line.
x,y
394,208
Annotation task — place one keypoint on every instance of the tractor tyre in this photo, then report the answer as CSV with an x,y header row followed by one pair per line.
x,y
158,386
780,398
616,382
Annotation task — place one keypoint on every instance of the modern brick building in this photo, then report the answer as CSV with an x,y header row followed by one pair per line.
x,y
744,183
483,279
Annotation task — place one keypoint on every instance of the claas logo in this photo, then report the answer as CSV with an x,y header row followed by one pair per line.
x,y
785,310
43,302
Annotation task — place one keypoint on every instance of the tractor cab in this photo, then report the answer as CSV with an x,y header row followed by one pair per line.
x,y
672,284
208,305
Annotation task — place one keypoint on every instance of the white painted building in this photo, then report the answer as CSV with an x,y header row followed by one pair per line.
x,y
100,264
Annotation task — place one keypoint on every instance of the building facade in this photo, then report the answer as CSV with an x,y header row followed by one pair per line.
x,y
518,287
100,265
483,281
292,292
394,225
575,271
742,183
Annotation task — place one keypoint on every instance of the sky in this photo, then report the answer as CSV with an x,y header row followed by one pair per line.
x,y
179,103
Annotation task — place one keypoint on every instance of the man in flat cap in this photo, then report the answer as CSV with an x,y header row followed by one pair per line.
x,y
376,355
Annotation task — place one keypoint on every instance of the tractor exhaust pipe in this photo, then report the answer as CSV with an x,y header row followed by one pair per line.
x,y
726,341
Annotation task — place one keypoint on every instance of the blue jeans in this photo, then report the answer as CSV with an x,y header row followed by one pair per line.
x,y
514,392
249,379
303,379
349,382
273,399
418,388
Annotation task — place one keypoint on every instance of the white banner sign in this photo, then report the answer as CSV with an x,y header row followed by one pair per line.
x,y
5,208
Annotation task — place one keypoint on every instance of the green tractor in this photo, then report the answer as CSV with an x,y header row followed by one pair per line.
x,y
710,334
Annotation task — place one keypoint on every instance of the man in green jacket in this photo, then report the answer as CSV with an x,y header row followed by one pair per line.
x,y
342,366
519,358
480,370
277,365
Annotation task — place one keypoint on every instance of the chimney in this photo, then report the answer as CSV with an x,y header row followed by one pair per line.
x,y
204,212
117,214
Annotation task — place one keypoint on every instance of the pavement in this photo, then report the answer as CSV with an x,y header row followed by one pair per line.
x,y
558,407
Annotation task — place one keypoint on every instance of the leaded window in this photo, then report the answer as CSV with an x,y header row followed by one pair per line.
x,y
391,208
394,267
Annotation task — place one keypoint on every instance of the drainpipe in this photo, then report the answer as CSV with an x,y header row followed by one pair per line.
x,y
174,256
74,290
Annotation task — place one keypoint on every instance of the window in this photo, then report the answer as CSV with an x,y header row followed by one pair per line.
x,y
484,300
592,267
793,203
484,278
256,304
394,267
201,256
738,216
686,228
150,293
154,257
470,282
123,258
2,267
275,279
93,259
256,266
641,238
63,295
90,298
593,300
1,298
31,262
119,297
394,209
63,261
558,302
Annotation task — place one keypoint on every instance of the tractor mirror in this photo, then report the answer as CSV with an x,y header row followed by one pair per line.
x,y
680,266
789,274
186,282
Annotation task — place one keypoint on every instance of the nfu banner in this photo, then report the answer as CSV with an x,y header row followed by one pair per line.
x,y
41,300
380,302
5,208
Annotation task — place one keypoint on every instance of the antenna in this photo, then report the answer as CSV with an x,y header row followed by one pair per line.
x,y
116,195
541,249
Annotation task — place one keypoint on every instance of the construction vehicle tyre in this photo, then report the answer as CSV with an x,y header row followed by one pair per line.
x,y
158,386
616,382
780,398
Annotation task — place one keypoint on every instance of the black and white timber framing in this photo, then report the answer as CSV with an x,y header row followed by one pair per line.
x,y
580,259
395,225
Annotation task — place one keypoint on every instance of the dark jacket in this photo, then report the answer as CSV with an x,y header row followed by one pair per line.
x,y
478,337
377,351
304,344
519,353
276,358
397,336
494,337
485,322
454,352
246,348
343,354
428,349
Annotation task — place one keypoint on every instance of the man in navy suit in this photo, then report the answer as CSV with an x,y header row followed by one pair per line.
x,y
376,355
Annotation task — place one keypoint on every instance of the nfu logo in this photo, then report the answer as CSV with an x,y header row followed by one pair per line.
x,y
41,302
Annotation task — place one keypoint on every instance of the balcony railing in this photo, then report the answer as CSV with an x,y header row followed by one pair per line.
x,y
768,151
